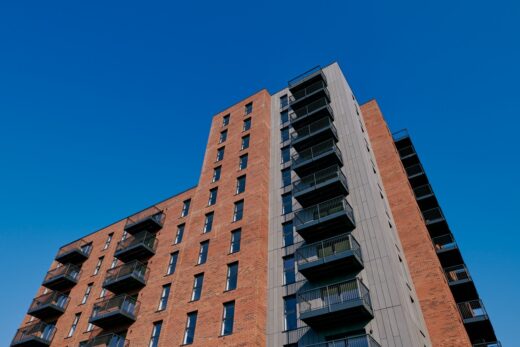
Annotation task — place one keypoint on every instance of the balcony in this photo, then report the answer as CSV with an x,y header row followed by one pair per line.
x,y
319,186
293,336
115,312
304,115
337,304
126,277
316,157
425,197
35,335
305,96
315,132
447,250
308,77
49,306
151,220
75,253
337,255
62,278
136,247
325,219
108,340
461,284
488,344
353,341
476,321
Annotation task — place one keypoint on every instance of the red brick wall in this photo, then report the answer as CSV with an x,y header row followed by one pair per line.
x,y
438,306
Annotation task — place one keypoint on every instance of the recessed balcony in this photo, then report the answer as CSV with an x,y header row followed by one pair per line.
x,y
35,335
62,278
425,197
313,133
488,344
316,157
151,220
337,304
460,282
136,247
319,186
308,77
325,219
304,96
49,306
352,341
126,278
75,253
115,312
335,256
476,321
304,115
107,340
447,250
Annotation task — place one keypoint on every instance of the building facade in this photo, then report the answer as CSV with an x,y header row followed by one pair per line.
x,y
310,226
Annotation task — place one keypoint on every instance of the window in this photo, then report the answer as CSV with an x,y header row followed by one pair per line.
x,y
223,136
102,293
228,317
212,196
172,264
74,324
284,101
163,301
286,177
185,208
86,248
98,265
242,163
107,242
216,174
286,203
87,293
232,276
245,142
156,331
114,263
289,308
189,333
241,184
203,252
235,241
125,234
225,120
238,212
180,233
288,270
288,236
286,154
247,124
284,117
208,222
284,134
90,327
249,108
197,287
220,153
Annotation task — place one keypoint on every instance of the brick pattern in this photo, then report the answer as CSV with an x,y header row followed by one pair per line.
x,y
438,306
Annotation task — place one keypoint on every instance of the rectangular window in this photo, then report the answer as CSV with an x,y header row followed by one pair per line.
x,y
203,252
208,222
284,117
235,241
284,134
225,120
228,316
109,239
216,174
90,327
74,325
288,236
86,248
212,196
87,293
245,142
288,270
125,234
163,301
238,212
156,332
197,287
223,136
232,276
289,307
185,208
241,184
220,154
242,163
284,101
286,154
286,203
286,177
249,108
189,333
247,124
172,264
179,234
98,265
102,293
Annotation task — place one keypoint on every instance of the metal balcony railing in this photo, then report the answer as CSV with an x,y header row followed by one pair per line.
x,y
401,134
354,341
313,128
40,333
444,242
457,273
327,248
406,151
80,246
121,303
414,170
473,309
488,344
293,336
423,191
319,177
302,93
304,111
153,213
315,151
108,340
331,295
306,76
432,215
322,210
145,238
53,298
134,268
71,271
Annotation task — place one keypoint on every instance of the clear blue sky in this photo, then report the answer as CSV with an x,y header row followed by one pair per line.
x,y
91,91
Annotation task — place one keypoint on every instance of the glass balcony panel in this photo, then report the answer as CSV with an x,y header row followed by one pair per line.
x,y
38,334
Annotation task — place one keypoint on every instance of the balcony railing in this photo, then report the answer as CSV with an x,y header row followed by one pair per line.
x,y
305,111
74,252
333,247
444,242
38,334
151,219
121,309
313,128
488,344
433,215
423,191
48,305
108,340
305,92
140,245
406,152
319,178
414,170
354,341
307,75
319,212
401,134
293,336
457,273
62,277
126,276
315,152
472,310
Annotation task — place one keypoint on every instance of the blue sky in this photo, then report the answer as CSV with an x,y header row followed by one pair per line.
x,y
91,91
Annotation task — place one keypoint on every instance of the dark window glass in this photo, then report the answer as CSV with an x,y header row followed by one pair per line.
x,y
286,203
223,136
180,233
216,173
241,184
156,332
225,120
189,333
284,117
284,101
163,302
109,239
288,270
247,124
172,264
286,154
284,133
228,317
238,212
286,177
185,208
288,235
242,164
249,108
245,142
197,287
208,222
232,276
289,305
212,196
235,241
220,154
203,252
